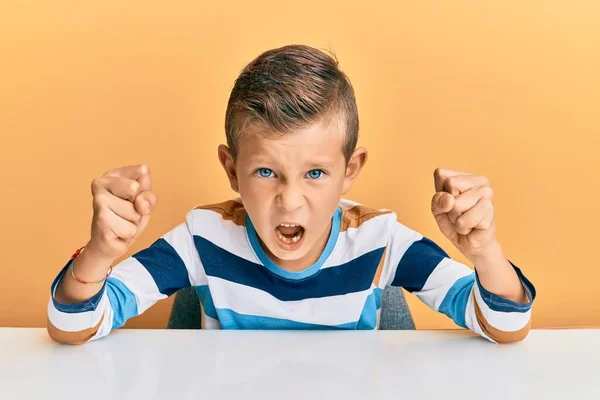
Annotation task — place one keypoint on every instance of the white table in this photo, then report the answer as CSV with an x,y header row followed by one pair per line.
x,y
160,364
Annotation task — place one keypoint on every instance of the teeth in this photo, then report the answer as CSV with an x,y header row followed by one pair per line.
x,y
289,240
289,225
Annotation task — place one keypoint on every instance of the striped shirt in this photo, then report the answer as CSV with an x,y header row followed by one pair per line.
x,y
217,251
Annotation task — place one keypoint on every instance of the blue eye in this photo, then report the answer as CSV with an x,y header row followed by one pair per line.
x,y
265,172
315,173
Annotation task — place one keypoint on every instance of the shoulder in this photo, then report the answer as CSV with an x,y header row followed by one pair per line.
x,y
220,226
217,215
380,221
365,226
230,210
356,215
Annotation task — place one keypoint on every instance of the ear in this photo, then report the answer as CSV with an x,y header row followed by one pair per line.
x,y
355,165
228,164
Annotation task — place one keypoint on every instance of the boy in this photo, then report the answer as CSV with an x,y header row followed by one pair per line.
x,y
290,253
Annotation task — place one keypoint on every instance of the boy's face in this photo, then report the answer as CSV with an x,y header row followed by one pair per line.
x,y
291,185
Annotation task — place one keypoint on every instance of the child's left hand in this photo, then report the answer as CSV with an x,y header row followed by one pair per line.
x,y
463,209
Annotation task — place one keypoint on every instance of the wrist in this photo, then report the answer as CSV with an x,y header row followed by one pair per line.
x,y
91,266
492,255
92,252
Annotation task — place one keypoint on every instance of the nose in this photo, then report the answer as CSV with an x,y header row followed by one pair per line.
x,y
290,198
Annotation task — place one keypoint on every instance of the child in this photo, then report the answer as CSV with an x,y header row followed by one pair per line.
x,y
290,253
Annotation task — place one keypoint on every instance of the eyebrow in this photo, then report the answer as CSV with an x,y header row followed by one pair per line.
x,y
262,159
319,165
310,165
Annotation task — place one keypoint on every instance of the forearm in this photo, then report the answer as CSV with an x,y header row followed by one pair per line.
x,y
89,267
498,276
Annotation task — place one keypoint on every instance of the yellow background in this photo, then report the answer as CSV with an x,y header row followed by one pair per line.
x,y
506,89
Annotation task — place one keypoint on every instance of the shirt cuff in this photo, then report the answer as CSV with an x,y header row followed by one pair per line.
x,y
88,305
501,304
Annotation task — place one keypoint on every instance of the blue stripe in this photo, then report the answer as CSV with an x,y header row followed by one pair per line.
x,y
454,304
313,269
233,320
207,301
229,319
166,267
497,303
368,317
74,308
122,302
417,263
354,276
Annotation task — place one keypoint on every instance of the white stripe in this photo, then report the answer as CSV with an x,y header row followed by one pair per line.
x,y
333,310
504,321
74,322
222,233
346,204
355,242
471,318
210,323
182,241
137,278
384,278
440,281
106,326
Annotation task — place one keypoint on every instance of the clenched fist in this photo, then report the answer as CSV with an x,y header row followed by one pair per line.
x,y
463,209
123,202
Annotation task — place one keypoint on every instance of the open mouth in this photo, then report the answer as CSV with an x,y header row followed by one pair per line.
x,y
289,235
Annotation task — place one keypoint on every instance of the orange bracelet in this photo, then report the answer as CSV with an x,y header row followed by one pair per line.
x,y
73,257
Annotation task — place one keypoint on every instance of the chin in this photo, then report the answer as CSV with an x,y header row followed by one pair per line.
x,y
288,255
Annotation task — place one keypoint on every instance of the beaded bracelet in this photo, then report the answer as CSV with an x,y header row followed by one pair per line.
x,y
73,257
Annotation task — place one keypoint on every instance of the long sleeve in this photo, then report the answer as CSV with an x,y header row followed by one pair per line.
x,y
136,283
445,285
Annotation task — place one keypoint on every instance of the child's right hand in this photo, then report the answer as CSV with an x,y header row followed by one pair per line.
x,y
123,202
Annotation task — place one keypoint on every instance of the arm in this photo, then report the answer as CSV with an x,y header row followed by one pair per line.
x,y
123,201
495,301
136,283
498,276
445,285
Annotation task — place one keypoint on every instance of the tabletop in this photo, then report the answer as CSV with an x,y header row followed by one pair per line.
x,y
193,364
